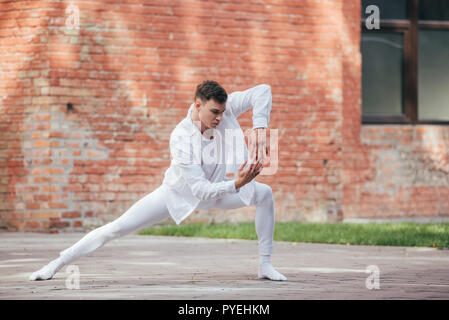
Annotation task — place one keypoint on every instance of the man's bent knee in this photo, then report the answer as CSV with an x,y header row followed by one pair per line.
x,y
264,192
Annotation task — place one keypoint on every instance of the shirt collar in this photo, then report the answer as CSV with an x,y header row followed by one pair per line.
x,y
189,125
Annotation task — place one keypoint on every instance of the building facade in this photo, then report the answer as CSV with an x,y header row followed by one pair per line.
x,y
90,91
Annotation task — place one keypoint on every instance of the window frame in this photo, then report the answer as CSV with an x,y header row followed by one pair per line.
x,y
409,28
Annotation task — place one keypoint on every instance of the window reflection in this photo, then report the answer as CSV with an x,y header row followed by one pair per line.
x,y
433,75
382,69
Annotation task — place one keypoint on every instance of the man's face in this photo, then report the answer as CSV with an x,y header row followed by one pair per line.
x,y
210,112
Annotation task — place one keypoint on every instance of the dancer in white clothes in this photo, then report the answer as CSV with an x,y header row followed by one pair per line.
x,y
198,175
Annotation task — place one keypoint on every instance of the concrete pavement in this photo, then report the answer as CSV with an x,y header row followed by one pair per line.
x,y
157,267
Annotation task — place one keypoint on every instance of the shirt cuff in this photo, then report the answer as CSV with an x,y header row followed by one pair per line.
x,y
260,123
230,187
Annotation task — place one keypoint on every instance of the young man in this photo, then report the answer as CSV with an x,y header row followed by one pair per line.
x,y
196,179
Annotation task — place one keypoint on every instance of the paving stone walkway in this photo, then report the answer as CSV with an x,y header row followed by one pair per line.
x,y
157,267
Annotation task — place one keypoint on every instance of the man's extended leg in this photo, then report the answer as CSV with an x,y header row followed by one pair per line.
x,y
264,203
147,211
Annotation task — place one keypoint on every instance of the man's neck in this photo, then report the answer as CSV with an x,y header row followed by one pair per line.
x,y
196,119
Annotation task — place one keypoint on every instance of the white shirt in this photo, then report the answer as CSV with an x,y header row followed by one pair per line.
x,y
198,170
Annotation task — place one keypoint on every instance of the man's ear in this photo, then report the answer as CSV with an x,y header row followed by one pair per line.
x,y
197,103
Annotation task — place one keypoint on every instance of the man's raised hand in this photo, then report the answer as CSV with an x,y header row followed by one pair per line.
x,y
245,176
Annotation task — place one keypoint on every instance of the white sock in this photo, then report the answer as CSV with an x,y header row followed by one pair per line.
x,y
267,271
47,272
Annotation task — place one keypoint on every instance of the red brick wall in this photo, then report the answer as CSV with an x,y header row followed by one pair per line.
x,y
398,172
130,71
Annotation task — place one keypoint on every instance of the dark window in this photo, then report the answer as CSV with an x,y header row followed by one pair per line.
x,y
382,55
437,10
405,69
433,75
390,9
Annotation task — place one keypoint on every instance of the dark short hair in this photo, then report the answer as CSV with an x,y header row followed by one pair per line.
x,y
210,89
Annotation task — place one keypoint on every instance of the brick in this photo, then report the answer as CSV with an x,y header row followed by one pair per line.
x,y
33,205
77,224
32,224
57,223
71,214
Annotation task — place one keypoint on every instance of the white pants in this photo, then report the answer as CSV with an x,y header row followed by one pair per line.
x,y
152,209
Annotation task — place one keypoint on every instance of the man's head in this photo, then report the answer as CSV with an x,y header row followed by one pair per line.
x,y
210,102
